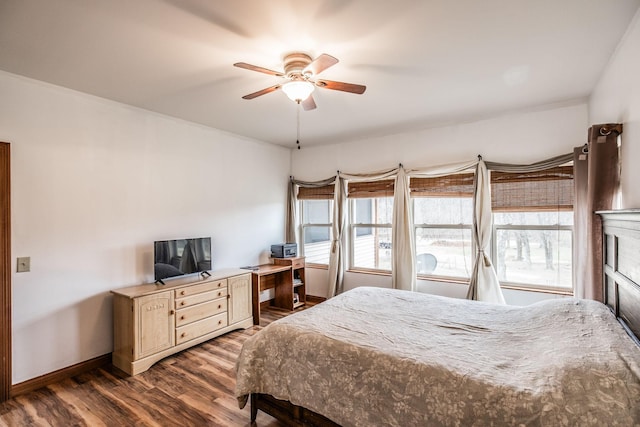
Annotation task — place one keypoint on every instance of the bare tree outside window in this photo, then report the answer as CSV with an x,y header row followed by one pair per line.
x,y
534,248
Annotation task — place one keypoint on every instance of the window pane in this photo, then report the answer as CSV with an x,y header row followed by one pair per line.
x,y
364,215
317,244
443,210
373,211
537,257
316,211
316,234
364,211
533,218
372,250
444,252
384,210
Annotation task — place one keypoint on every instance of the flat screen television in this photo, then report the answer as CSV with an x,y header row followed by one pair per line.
x,y
173,258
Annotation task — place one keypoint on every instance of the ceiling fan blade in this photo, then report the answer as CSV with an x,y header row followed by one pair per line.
x,y
259,69
309,103
262,92
345,87
320,64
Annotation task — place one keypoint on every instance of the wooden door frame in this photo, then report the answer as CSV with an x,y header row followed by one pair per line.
x,y
5,271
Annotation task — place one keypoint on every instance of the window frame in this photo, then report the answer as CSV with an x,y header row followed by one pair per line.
x,y
561,290
438,277
556,196
452,186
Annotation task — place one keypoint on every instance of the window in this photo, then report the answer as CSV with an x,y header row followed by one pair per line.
x,y
443,236
533,227
371,237
316,211
371,213
443,217
534,248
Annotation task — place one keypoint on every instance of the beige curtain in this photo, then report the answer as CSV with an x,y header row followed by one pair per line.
x,y
336,257
292,214
596,179
532,167
484,284
403,269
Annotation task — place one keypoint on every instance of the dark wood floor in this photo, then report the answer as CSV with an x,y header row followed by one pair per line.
x,y
192,388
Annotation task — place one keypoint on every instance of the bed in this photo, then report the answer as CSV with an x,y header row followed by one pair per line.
x,y
376,356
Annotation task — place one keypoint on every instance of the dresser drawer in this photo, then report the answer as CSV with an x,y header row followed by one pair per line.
x,y
201,327
202,287
201,297
200,311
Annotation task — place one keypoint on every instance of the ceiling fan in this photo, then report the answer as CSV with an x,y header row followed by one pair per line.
x,y
300,71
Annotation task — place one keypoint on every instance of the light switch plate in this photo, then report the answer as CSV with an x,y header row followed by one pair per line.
x,y
24,264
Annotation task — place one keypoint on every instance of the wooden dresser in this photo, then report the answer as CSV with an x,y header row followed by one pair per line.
x,y
153,321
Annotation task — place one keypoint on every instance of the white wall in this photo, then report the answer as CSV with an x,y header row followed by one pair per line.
x,y
522,137
616,99
94,183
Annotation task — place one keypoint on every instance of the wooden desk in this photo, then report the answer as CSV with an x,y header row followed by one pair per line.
x,y
279,276
268,276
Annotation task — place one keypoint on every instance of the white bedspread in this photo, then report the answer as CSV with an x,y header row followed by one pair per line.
x,y
373,357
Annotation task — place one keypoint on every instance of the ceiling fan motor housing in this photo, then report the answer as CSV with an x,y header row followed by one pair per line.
x,y
294,63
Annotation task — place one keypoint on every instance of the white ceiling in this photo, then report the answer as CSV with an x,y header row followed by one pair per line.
x,y
424,62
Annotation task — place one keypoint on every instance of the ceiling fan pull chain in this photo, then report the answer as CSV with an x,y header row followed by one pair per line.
x,y
298,125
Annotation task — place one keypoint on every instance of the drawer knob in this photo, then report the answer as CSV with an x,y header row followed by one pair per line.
x,y
182,293
219,305
184,334
219,322
182,303
181,317
219,293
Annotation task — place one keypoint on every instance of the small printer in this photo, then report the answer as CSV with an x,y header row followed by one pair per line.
x,y
284,250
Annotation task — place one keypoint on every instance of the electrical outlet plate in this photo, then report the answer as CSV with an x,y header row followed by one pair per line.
x,y
24,264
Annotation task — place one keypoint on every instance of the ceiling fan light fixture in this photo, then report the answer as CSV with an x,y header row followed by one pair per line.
x,y
298,90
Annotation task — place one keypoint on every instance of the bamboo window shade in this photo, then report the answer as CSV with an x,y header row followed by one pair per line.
x,y
371,189
316,193
546,190
457,185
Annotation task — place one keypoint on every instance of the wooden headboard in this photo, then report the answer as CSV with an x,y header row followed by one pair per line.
x,y
621,270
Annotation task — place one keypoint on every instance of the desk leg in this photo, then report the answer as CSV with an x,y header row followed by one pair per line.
x,y
255,282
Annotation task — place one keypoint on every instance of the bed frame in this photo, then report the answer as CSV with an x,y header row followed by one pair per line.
x,y
621,267
621,278
287,412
